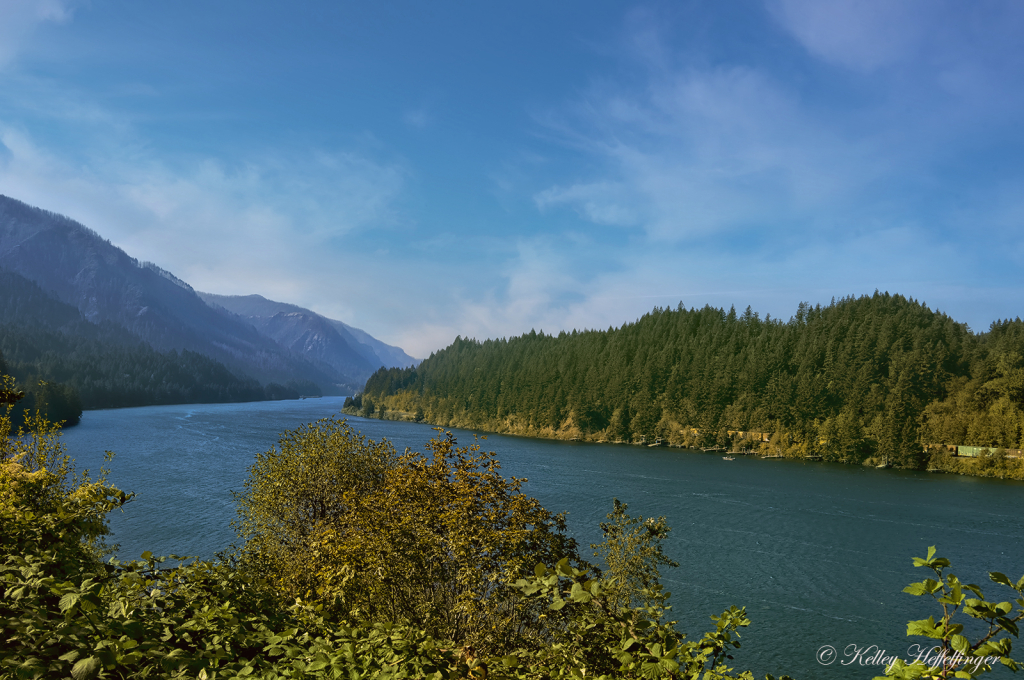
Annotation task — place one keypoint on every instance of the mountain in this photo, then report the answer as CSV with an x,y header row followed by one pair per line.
x,y
389,356
315,337
42,338
104,283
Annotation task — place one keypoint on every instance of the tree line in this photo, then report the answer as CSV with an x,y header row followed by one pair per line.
x,y
867,379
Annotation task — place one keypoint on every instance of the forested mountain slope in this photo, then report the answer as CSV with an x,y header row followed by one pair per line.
x,y
106,366
83,270
870,377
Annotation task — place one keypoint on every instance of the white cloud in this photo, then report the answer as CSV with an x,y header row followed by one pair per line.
x,y
610,203
747,185
270,226
864,35
540,288
18,19
706,152
416,118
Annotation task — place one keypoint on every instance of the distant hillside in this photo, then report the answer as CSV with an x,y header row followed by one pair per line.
x,y
87,272
388,356
316,337
42,338
875,379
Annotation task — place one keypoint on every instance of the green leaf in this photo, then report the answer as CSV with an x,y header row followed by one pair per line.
x,y
1000,578
960,644
86,668
669,665
510,661
556,605
578,594
651,670
540,570
915,589
69,600
147,555
924,627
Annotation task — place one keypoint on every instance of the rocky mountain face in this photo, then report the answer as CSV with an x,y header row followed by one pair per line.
x,y
104,283
387,355
315,337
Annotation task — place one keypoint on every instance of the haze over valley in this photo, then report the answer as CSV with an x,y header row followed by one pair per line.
x,y
85,288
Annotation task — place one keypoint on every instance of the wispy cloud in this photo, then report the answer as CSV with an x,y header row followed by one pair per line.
x,y
863,36
416,118
750,172
925,48
267,224
701,152
18,20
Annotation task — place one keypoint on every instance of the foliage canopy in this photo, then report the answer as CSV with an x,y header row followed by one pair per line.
x,y
433,539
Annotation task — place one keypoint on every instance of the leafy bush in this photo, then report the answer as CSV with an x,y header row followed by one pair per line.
x,y
953,655
631,552
591,636
434,541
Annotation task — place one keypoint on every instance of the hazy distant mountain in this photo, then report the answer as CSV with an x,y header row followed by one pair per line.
x,y
86,271
316,337
389,355
43,338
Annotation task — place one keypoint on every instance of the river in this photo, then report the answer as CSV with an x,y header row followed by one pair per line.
x,y
818,552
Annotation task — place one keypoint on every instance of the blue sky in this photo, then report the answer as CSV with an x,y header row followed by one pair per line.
x,y
426,170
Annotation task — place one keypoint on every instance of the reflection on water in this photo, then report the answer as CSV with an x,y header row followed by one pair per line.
x,y
818,553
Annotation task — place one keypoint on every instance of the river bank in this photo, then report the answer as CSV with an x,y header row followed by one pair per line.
x,y
782,445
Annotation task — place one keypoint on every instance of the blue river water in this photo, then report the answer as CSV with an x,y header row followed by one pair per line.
x,y
818,553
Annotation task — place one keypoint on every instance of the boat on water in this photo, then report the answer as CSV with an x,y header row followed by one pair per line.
x,y
728,458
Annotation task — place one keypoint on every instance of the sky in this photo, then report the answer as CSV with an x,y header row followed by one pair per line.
x,y
427,170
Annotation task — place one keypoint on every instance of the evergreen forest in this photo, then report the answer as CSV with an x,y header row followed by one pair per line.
x,y
879,379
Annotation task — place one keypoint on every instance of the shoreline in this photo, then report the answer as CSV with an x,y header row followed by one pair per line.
x,y
1012,469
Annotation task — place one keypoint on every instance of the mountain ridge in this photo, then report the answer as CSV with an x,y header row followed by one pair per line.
x,y
260,310
79,267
